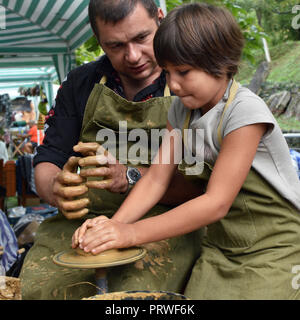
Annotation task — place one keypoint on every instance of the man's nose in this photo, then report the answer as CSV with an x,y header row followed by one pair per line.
x,y
133,53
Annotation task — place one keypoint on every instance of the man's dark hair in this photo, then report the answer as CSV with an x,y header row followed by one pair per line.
x,y
113,11
201,35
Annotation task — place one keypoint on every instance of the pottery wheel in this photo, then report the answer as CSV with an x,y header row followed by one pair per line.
x,y
114,257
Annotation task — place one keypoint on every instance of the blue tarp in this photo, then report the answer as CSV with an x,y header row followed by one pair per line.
x,y
9,243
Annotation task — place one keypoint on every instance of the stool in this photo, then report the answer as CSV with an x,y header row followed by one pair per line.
x,y
17,143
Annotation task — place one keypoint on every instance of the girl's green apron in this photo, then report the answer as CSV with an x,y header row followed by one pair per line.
x,y
167,264
250,253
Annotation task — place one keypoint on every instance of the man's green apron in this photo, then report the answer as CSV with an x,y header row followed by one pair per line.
x,y
167,264
249,254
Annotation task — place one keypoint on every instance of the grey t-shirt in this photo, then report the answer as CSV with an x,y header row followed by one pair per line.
x,y
272,160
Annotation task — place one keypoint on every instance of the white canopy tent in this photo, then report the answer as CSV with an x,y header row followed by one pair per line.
x,y
38,39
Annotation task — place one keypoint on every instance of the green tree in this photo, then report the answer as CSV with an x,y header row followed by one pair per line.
x,y
89,51
246,18
275,17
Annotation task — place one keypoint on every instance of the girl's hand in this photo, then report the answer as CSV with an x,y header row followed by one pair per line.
x,y
107,234
79,233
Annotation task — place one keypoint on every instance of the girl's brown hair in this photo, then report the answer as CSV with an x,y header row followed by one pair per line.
x,y
200,35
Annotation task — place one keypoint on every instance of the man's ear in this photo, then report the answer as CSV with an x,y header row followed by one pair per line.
x,y
160,14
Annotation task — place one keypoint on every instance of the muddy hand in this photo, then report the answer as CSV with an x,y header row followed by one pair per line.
x,y
103,165
78,235
108,234
67,186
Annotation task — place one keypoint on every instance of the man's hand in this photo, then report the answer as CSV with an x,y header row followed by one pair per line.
x,y
104,165
68,185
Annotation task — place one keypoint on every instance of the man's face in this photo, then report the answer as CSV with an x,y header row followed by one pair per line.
x,y
129,44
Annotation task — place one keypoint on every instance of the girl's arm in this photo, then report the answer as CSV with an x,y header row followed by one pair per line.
x,y
230,171
152,186
148,190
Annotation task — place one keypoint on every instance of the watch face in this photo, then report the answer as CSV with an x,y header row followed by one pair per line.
x,y
134,174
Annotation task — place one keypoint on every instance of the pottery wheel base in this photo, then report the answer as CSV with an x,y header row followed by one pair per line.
x,y
109,258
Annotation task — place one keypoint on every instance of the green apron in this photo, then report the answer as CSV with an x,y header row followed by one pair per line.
x,y
250,253
167,264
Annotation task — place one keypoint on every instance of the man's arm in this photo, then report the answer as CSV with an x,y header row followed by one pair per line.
x,y
45,173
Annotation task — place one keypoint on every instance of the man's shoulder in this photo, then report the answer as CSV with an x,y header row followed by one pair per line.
x,y
87,70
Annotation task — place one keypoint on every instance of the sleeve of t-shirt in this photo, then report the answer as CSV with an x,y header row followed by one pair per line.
x,y
177,114
62,128
249,110
31,132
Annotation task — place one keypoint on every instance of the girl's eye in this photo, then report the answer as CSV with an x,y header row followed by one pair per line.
x,y
183,72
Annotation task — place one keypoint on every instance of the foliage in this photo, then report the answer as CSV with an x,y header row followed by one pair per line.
x,y
246,18
284,67
89,51
252,32
275,17
288,124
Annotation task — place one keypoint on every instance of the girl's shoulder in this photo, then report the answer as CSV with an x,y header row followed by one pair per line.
x,y
247,103
247,108
245,96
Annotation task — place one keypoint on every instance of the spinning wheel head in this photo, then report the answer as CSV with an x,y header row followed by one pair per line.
x,y
81,260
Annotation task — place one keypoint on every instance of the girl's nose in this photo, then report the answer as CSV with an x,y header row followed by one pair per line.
x,y
173,84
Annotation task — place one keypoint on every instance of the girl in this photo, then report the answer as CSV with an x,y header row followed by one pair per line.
x,y
251,201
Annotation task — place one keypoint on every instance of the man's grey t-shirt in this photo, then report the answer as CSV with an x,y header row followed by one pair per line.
x,y
272,160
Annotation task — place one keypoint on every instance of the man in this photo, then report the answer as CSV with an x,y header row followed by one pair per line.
x,y
133,89
34,136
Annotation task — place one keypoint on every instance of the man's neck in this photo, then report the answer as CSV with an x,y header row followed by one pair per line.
x,y
132,87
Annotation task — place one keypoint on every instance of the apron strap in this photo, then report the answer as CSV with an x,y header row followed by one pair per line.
x,y
167,92
103,80
233,91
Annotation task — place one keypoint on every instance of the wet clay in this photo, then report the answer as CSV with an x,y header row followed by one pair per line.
x,y
79,259
112,253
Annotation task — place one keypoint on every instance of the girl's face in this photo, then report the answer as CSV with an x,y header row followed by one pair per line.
x,y
195,88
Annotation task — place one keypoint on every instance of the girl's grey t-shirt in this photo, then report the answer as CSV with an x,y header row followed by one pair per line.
x,y
272,160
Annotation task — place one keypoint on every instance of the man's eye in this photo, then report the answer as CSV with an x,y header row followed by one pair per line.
x,y
116,46
142,37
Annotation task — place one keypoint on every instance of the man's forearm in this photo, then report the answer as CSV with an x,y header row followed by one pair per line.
x,y
44,173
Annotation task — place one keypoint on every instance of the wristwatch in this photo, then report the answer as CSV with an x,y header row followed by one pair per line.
x,y
133,175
